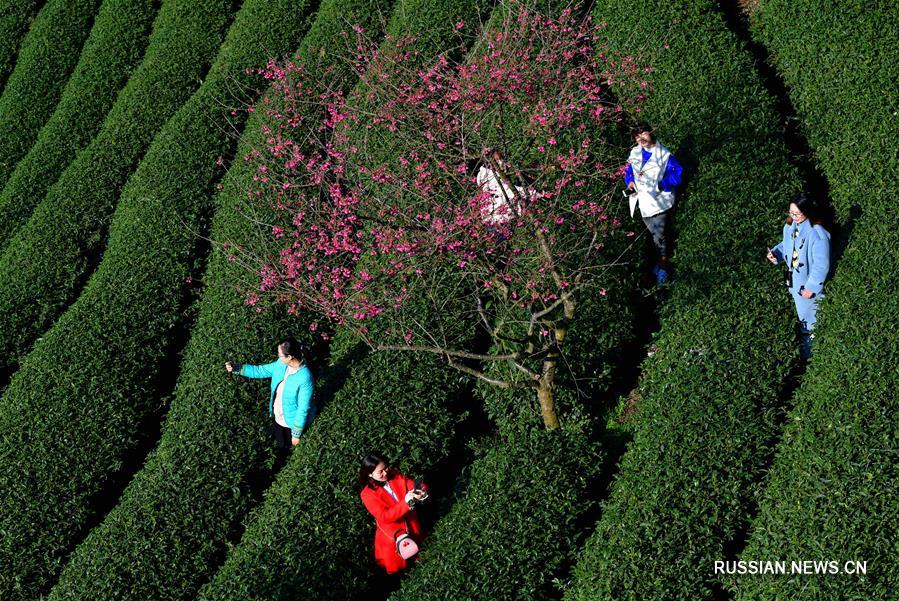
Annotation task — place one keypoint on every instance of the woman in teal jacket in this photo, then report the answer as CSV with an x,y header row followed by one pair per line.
x,y
290,400
805,248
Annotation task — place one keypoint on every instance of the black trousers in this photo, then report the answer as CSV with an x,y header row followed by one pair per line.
x,y
282,435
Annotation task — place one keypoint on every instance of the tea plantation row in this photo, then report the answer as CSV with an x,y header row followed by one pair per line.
x,y
169,529
116,44
711,393
47,262
831,492
15,19
48,54
122,330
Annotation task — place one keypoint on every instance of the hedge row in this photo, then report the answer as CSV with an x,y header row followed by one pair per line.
x,y
709,417
831,493
47,261
15,20
514,523
116,44
165,536
45,61
840,50
119,333
312,536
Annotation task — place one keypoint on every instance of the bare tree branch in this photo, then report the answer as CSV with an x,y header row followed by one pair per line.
x,y
484,377
530,373
446,352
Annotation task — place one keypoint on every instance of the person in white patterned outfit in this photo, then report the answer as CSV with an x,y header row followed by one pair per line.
x,y
652,175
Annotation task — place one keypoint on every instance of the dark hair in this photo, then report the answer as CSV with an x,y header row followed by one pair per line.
x,y
369,463
290,347
487,154
641,127
811,207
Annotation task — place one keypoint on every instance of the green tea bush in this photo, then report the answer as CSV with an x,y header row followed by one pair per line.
x,y
48,54
831,492
117,336
15,19
116,43
165,536
47,261
516,521
396,403
513,525
709,417
839,50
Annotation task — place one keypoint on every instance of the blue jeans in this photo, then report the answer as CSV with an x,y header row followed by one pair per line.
x,y
658,226
807,311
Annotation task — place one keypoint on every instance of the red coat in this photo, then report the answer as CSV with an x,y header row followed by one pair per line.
x,y
391,516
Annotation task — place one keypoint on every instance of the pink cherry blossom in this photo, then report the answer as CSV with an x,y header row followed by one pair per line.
x,y
390,198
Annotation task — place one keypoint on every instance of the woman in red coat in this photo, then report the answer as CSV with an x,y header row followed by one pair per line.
x,y
389,497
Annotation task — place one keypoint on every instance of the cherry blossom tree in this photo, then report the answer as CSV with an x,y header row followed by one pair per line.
x,y
474,187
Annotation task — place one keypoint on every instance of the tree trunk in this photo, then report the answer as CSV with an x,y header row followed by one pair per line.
x,y
545,396
546,382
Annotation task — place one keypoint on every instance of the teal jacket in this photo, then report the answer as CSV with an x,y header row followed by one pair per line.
x,y
297,394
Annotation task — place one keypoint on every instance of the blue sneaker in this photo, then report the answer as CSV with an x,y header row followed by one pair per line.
x,y
661,276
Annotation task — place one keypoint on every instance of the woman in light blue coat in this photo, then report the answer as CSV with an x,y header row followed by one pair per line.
x,y
290,401
805,249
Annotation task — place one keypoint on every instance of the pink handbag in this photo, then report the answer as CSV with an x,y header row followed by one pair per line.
x,y
405,545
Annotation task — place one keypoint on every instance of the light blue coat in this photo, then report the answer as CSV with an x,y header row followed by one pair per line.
x,y
813,245
296,396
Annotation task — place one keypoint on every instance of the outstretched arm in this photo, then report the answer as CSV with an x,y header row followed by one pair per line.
x,y
257,371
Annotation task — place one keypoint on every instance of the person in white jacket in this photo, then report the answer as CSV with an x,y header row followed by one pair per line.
x,y
504,197
502,200
652,175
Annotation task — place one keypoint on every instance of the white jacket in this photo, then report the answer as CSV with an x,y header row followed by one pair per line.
x,y
495,209
650,199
